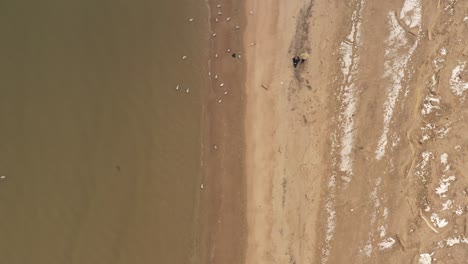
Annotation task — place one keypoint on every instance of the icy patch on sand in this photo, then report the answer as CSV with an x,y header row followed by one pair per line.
x,y
421,167
457,84
411,13
387,243
451,241
430,103
397,56
425,258
437,221
444,186
349,67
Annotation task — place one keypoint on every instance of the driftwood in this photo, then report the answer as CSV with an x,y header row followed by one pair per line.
x,y
427,222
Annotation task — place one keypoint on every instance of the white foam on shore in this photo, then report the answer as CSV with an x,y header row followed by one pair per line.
x,y
397,56
457,85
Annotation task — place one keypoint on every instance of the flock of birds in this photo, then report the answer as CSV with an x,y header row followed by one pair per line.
x,y
215,76
219,13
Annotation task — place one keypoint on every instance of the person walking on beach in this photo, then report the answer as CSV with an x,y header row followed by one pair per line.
x,y
296,61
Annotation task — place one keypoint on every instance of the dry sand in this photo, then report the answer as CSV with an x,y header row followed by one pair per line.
x,y
360,154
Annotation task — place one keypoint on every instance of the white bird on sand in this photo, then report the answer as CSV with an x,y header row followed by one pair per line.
x,y
177,87
184,57
214,34
190,20
222,84
2,177
252,44
219,13
237,27
251,12
226,92
216,55
216,19
201,186
188,90
209,73
227,19
228,50
219,101
218,6
216,76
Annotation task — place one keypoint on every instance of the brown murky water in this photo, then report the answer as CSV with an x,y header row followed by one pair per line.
x,y
101,154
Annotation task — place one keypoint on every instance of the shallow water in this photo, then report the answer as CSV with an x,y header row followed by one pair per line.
x,y
101,154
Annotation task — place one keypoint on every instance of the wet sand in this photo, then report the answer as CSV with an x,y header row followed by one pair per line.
x,y
223,195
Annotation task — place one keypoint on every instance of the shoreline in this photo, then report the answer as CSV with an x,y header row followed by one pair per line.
x,y
223,197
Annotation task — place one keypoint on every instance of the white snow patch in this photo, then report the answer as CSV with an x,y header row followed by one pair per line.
x,y
425,258
443,51
349,67
387,243
421,167
430,103
437,221
444,161
451,241
397,56
459,210
444,158
382,230
447,205
442,132
367,249
411,13
457,85
444,185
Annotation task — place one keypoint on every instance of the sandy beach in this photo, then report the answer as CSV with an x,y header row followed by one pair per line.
x,y
359,154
